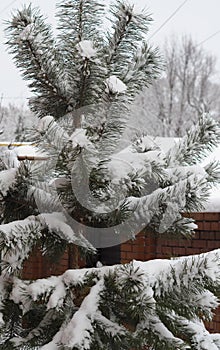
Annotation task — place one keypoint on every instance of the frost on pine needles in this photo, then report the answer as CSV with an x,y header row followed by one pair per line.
x,y
94,190
128,303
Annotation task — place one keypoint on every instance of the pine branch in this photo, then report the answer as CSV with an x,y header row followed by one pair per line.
x,y
80,24
143,69
79,20
200,140
31,43
128,29
18,238
105,298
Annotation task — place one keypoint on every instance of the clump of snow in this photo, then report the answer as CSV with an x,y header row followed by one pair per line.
x,y
1,320
145,143
17,294
213,203
130,161
201,337
86,49
44,123
114,85
7,179
79,138
192,226
42,287
56,222
58,295
164,143
45,199
18,238
27,33
55,133
3,295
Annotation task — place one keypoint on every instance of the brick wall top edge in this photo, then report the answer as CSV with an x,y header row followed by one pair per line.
x,y
209,216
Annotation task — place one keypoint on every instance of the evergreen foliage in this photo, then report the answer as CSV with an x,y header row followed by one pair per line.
x,y
83,83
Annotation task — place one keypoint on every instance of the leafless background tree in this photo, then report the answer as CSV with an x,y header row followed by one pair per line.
x,y
14,120
187,87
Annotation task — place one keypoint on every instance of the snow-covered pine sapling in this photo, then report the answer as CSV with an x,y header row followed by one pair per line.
x,y
95,190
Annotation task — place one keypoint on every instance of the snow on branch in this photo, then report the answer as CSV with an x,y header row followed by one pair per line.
x,y
202,339
114,85
18,238
7,180
78,332
143,69
56,223
175,198
199,140
158,282
86,49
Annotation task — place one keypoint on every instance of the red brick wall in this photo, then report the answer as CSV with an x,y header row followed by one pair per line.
x,y
142,248
207,237
38,266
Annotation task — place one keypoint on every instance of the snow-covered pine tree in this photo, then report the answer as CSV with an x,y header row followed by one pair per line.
x,y
90,193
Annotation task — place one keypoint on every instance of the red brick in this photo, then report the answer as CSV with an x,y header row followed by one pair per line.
x,y
127,247
197,216
192,251
158,248
37,266
185,242
161,241
215,226
136,256
123,255
150,248
172,243
139,248
200,225
167,251
199,243
213,244
212,216
125,261
149,255
208,235
179,251
206,226
196,235
149,240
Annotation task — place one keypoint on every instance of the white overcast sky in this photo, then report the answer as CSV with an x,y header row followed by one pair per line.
x,y
200,18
